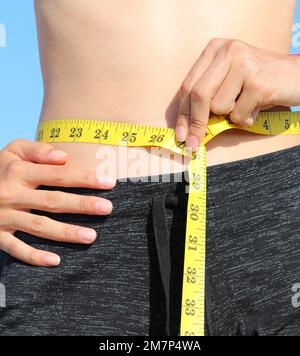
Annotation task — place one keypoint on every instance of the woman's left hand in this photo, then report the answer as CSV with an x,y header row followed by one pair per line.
x,y
234,78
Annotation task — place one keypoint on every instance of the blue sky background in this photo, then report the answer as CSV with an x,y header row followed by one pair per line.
x,y
20,78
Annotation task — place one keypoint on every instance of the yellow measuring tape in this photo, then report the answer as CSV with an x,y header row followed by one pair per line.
x,y
115,133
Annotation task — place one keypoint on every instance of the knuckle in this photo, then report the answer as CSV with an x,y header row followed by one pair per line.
x,y
66,234
33,257
58,175
214,42
236,46
86,177
37,224
52,200
84,204
199,125
15,168
15,143
185,89
198,94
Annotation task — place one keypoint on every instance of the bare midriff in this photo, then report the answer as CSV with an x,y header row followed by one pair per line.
x,y
125,60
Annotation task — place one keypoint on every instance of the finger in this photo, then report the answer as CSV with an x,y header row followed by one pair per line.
x,y
201,96
199,67
46,228
225,97
61,202
246,109
39,152
62,176
23,252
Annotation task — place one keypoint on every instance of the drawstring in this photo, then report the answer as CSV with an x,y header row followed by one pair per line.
x,y
162,244
163,249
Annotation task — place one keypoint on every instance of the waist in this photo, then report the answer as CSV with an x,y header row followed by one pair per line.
x,y
229,146
226,183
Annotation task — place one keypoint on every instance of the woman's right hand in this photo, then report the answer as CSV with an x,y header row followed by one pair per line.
x,y
24,165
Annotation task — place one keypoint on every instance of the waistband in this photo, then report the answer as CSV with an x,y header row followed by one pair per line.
x,y
260,175
231,180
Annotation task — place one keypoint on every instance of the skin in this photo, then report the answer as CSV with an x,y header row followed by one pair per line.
x,y
144,62
234,78
24,166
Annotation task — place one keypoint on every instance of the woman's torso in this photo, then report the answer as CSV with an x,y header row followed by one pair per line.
x,y
125,61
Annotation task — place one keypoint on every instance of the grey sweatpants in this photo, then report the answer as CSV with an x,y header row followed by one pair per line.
x,y
129,281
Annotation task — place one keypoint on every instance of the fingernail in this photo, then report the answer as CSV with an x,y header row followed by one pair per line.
x,y
52,260
249,122
255,114
88,235
235,117
180,133
104,206
107,181
192,142
58,154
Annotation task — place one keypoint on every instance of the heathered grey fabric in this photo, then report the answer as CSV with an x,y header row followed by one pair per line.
x,y
114,287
